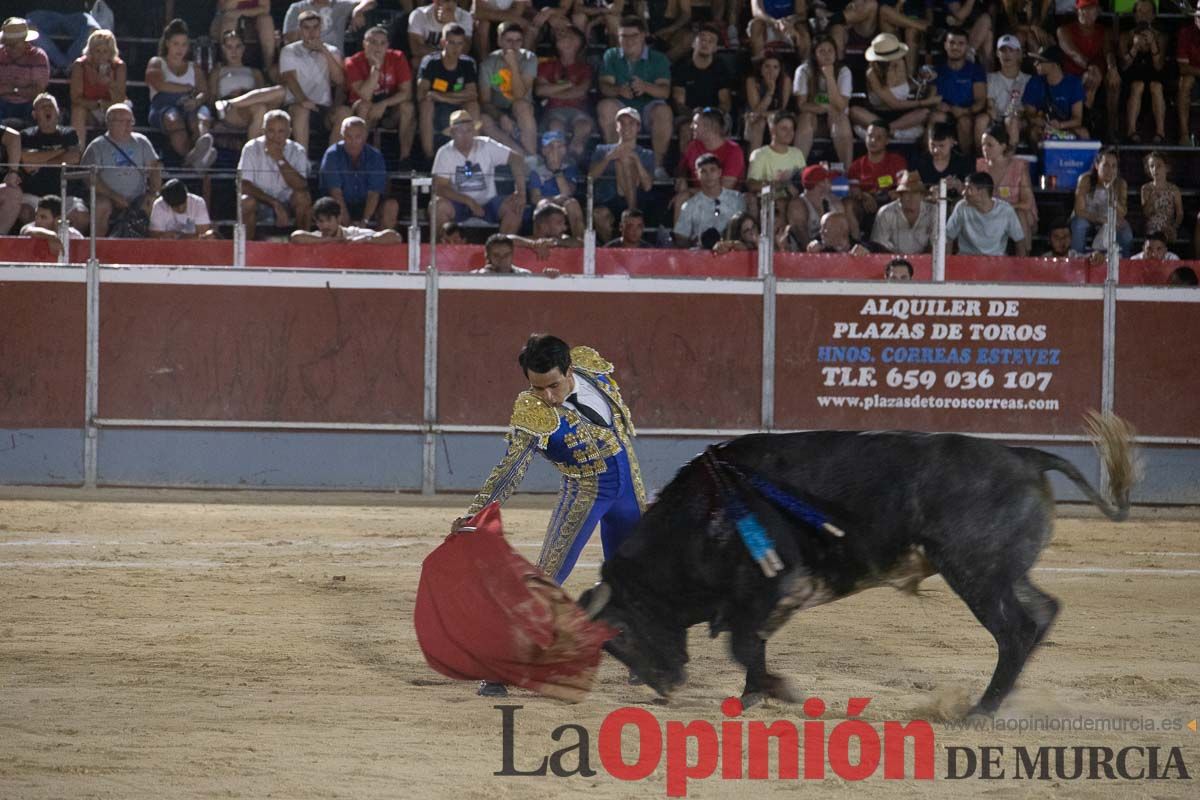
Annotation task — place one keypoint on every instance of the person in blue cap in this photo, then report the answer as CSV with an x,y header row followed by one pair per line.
x,y
555,177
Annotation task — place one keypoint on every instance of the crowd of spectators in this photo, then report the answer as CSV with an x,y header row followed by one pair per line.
x,y
680,112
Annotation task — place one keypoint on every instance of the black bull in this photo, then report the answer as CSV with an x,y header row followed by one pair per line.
x,y
911,505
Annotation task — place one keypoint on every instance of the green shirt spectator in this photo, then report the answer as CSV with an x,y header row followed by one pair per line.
x,y
650,67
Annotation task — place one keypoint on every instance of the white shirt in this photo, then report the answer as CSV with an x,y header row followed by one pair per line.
x,y
423,23
260,169
891,228
701,212
591,397
984,234
1168,257
165,218
845,83
1006,93
474,174
71,232
335,18
486,269
352,233
312,71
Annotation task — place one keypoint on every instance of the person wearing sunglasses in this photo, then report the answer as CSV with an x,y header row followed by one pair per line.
x,y
707,214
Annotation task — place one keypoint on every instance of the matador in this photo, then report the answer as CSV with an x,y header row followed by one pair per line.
x,y
573,415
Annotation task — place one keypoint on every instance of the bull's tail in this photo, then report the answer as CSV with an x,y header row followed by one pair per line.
x,y
1113,440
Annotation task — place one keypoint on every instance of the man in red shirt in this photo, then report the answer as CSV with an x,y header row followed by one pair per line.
x,y
564,82
1187,53
380,85
708,136
873,177
1091,55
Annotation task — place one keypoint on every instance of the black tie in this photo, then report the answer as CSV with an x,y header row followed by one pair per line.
x,y
587,412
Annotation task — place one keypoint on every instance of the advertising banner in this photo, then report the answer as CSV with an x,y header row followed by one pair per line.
x,y
986,360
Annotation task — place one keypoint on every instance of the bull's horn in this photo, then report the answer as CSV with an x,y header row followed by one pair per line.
x,y
601,594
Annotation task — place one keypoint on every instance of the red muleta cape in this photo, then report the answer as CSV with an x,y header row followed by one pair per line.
x,y
485,613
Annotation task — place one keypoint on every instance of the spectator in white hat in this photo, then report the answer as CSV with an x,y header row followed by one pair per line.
x,y
892,96
464,177
24,70
905,225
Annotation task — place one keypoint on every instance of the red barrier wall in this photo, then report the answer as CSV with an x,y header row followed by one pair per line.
x,y
827,266
1023,270
43,329
688,353
1140,273
1158,367
197,252
675,263
684,361
467,257
391,257
261,353
609,261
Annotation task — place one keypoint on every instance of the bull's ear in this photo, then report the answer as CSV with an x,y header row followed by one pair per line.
x,y
595,599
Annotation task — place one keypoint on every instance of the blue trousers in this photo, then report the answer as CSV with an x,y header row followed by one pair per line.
x,y
1081,229
614,508
51,23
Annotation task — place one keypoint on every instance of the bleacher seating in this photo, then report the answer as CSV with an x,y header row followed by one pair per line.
x,y
218,189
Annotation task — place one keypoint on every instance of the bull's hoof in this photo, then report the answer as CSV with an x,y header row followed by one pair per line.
x,y
781,689
771,686
490,689
980,711
751,699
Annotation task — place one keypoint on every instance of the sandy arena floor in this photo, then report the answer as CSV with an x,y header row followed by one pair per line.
x,y
203,650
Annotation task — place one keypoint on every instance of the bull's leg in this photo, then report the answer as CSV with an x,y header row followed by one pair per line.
x,y
750,650
751,653
1014,629
1039,605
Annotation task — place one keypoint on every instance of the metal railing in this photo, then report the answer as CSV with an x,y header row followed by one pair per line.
x,y
430,427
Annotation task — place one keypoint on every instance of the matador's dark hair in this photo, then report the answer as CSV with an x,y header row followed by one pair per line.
x,y
543,352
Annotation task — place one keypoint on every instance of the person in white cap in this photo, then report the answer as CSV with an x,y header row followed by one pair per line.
x,y
1187,55
24,70
624,171
1005,88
